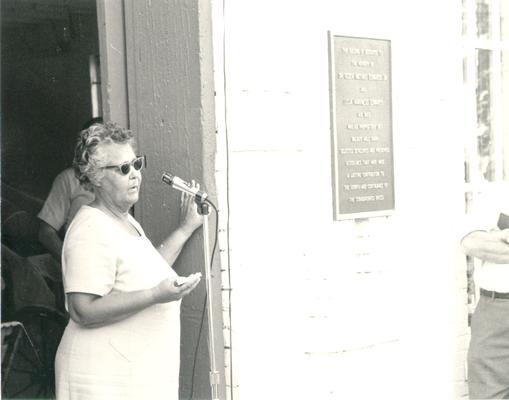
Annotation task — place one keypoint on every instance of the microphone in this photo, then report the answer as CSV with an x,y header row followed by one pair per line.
x,y
180,184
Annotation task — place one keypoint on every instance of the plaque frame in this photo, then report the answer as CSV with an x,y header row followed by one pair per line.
x,y
339,213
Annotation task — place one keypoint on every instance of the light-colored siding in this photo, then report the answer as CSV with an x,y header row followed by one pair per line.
x,y
373,308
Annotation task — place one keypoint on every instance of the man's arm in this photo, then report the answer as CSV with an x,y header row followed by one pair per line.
x,y
492,246
54,213
48,236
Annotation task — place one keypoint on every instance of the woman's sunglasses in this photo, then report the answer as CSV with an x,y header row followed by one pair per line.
x,y
124,168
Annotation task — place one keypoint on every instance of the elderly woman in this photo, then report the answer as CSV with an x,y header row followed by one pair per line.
x,y
123,297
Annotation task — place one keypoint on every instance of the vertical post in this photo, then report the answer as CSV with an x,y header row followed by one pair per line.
x,y
215,378
110,23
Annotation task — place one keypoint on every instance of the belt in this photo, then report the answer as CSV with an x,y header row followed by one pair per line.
x,y
494,295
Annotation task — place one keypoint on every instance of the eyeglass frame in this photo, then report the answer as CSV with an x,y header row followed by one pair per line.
x,y
118,167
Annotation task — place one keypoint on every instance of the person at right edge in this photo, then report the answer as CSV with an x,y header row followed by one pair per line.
x,y
123,296
488,353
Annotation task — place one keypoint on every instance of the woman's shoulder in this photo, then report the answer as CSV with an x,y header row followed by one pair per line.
x,y
89,220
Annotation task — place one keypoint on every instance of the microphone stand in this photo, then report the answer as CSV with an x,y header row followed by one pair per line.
x,y
203,209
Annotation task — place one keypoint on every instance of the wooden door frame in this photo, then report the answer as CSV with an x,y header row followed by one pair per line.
x,y
184,144
110,23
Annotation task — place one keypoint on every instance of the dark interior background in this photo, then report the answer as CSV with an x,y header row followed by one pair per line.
x,y
45,96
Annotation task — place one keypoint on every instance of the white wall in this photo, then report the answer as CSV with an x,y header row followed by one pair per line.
x,y
354,309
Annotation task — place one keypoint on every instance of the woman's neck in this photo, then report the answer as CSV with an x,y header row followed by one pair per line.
x,y
114,212
120,217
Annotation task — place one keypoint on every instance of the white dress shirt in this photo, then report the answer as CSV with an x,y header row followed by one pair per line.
x,y
487,214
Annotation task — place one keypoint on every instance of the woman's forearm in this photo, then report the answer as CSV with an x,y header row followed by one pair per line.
x,y
171,247
92,311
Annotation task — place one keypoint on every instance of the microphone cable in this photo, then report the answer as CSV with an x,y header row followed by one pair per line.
x,y
195,358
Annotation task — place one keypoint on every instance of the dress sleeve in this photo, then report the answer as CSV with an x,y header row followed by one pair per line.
x,y
89,259
56,207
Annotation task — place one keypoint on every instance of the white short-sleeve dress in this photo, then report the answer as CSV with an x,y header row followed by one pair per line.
x,y
136,358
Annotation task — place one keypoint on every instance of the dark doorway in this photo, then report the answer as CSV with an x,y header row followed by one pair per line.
x,y
46,88
49,51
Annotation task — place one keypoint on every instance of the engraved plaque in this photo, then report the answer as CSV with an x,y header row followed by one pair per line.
x,y
361,122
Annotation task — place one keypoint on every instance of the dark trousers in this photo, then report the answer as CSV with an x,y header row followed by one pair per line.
x,y
488,354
